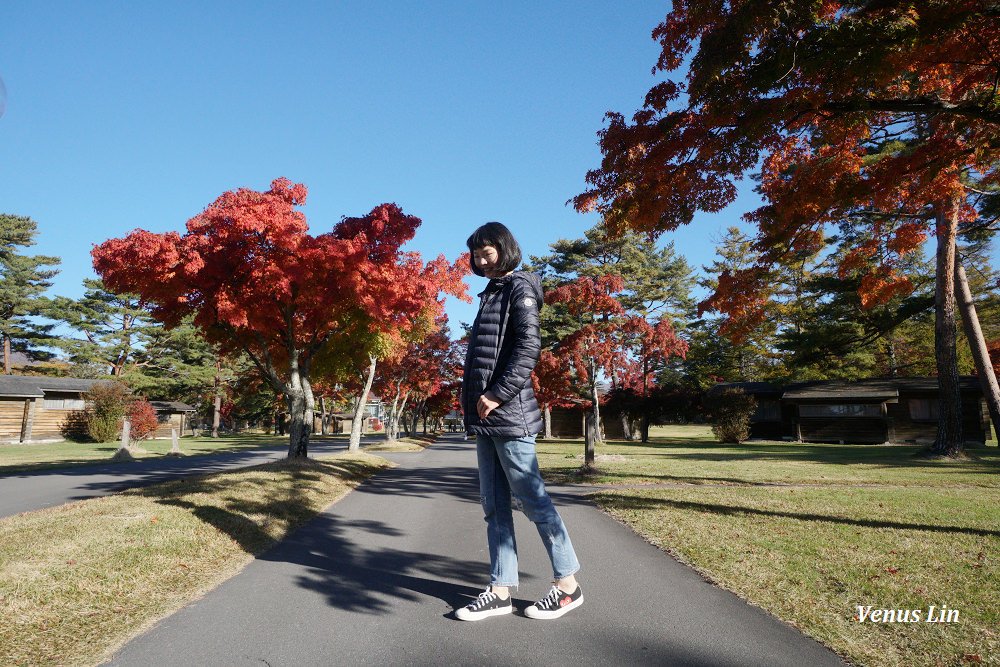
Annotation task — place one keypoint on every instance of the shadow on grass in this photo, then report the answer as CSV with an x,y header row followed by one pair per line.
x,y
241,449
628,501
245,509
977,460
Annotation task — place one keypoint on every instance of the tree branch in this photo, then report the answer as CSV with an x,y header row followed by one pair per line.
x,y
915,105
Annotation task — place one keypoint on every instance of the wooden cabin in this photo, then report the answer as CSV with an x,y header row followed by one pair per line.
x,y
875,410
36,409
172,415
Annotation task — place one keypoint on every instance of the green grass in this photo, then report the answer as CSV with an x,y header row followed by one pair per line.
x,y
810,532
79,580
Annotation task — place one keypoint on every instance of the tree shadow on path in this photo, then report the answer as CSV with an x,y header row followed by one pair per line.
x,y
355,578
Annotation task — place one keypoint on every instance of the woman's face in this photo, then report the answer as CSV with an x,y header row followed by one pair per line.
x,y
486,259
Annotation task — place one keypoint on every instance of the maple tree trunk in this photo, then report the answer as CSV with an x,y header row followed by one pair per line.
x,y
324,421
590,429
298,434
977,343
354,444
949,434
547,420
299,396
216,408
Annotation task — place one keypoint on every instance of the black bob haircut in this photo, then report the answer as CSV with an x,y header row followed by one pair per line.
x,y
496,235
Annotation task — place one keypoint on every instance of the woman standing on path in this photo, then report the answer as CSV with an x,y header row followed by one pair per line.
x,y
501,411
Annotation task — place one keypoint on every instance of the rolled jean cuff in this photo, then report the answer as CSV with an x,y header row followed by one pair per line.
x,y
558,577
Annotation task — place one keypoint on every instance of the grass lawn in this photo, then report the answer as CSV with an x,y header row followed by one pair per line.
x,y
77,581
813,532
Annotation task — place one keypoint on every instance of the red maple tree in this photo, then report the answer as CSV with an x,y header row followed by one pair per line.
x,y
876,114
607,338
552,381
257,282
414,374
142,419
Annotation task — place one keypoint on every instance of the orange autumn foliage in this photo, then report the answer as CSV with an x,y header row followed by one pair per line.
x,y
869,113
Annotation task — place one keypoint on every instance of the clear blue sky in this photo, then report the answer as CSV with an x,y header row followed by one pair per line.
x,y
128,115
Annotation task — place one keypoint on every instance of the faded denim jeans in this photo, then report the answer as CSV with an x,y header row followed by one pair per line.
x,y
509,468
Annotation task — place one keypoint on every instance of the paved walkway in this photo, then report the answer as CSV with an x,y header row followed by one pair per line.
x,y
374,581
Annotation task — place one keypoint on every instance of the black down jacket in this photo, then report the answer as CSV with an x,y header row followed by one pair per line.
x,y
503,349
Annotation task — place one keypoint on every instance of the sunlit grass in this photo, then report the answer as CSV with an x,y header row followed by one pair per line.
x,y
811,532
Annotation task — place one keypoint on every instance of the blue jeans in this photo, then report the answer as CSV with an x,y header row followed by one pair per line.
x,y
509,468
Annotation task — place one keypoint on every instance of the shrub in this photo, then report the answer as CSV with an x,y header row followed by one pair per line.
x,y
142,420
74,427
730,410
107,405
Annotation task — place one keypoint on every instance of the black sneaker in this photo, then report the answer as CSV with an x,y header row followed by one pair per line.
x,y
555,604
487,604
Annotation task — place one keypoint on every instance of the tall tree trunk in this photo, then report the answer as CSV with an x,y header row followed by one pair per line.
x,y
597,403
547,419
418,408
299,396
977,343
590,431
6,355
298,433
324,422
354,444
949,440
217,398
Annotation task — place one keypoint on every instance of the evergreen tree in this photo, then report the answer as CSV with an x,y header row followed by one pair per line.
x,y
23,279
713,356
119,335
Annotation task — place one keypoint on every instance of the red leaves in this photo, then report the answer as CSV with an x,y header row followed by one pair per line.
x,y
608,338
255,280
840,134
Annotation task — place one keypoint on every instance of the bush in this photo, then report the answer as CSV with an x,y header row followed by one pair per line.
x,y
107,405
74,427
730,410
142,420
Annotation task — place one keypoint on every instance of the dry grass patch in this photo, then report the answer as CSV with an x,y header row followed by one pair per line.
x,y
77,581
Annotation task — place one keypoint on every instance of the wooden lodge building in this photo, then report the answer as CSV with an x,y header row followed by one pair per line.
x,y
880,410
36,409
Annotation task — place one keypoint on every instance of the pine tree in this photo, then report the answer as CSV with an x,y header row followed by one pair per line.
x,y
23,279
119,335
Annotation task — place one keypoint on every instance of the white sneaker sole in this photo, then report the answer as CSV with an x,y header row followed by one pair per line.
x,y
464,614
537,614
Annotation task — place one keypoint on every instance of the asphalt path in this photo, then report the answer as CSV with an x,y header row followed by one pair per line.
x,y
24,492
375,579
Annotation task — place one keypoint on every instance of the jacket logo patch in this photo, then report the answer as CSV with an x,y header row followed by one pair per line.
x,y
528,302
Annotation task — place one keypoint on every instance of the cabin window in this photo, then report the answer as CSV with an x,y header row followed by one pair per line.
x,y
925,409
841,410
57,402
768,411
